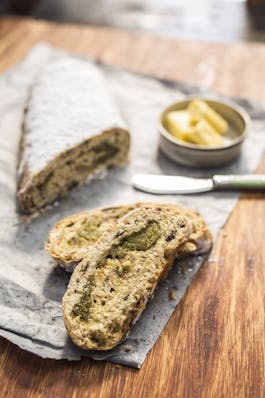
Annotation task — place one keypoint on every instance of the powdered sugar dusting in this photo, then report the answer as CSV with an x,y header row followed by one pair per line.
x,y
68,104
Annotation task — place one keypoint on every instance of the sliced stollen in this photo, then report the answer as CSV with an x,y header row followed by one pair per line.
x,y
110,288
72,130
71,238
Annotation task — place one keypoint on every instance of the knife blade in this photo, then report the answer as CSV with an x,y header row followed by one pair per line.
x,y
168,184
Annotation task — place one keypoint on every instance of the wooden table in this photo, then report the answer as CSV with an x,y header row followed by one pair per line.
x,y
214,344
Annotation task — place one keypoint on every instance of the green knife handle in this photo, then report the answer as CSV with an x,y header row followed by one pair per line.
x,y
253,182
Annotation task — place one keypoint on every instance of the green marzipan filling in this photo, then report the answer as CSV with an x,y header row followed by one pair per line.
x,y
86,233
140,241
104,152
81,309
70,173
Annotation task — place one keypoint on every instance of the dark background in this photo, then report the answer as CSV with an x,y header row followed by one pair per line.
x,y
219,20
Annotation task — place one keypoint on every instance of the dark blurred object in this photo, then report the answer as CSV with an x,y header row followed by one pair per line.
x,y
20,6
256,4
256,9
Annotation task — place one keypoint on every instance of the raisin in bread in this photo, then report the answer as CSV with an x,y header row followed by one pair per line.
x,y
110,287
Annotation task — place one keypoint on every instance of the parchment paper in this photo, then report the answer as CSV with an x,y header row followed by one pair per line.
x,y
31,284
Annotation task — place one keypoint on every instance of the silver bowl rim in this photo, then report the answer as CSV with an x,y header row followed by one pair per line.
x,y
193,147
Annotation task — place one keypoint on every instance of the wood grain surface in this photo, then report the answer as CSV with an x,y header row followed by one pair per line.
x,y
214,344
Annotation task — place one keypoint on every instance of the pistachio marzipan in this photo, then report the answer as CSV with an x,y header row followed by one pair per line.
x,y
111,286
72,130
71,238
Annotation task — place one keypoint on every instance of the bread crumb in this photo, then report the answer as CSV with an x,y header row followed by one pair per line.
x,y
128,347
172,295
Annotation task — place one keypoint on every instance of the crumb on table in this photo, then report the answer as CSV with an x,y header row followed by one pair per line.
x,y
172,295
128,347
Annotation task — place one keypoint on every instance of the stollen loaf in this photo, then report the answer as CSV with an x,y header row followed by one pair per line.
x,y
72,130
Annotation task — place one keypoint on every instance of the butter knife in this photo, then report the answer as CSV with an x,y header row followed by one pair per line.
x,y
163,184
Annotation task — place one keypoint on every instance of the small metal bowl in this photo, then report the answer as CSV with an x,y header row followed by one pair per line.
x,y
202,156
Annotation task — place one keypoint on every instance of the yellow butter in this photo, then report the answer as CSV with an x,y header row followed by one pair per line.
x,y
178,123
199,109
204,134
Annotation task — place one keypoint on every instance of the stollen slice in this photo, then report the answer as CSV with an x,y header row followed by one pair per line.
x,y
71,238
110,287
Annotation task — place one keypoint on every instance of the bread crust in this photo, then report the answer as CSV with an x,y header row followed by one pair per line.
x,y
101,306
67,252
